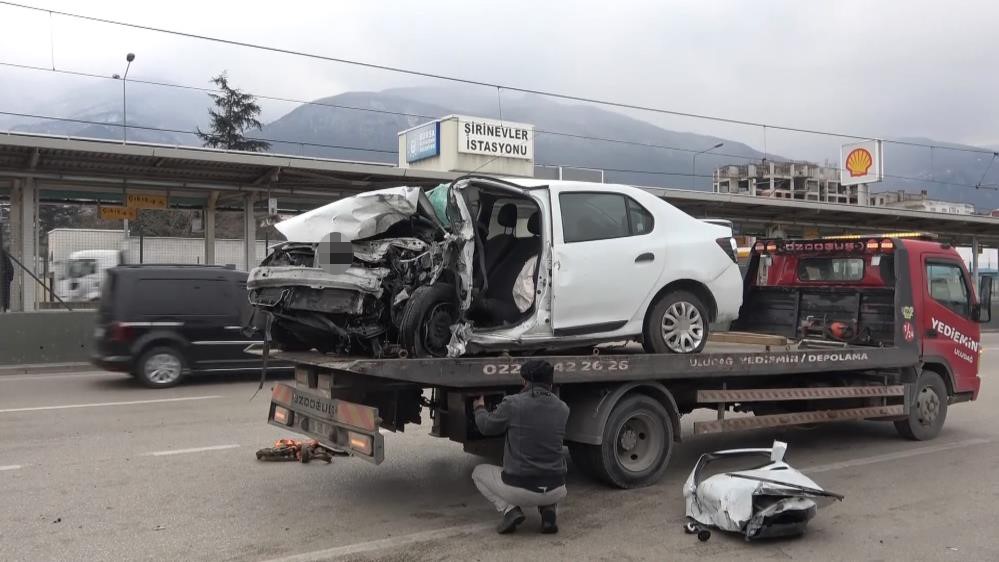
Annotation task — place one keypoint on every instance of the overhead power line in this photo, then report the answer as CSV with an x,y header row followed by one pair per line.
x,y
467,81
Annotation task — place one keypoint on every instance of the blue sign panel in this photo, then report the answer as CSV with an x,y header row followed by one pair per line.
x,y
423,142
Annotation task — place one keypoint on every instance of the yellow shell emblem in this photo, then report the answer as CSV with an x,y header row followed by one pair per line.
x,y
858,162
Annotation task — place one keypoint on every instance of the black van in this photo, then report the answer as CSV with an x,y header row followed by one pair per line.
x,y
161,322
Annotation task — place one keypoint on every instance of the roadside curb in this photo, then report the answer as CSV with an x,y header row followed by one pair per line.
x,y
40,368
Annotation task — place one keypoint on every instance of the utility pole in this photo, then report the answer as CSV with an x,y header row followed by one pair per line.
x,y
693,161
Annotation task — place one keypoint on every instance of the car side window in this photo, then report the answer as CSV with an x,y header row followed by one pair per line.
x,y
947,286
641,220
600,216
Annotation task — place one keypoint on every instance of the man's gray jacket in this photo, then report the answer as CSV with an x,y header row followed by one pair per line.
x,y
534,422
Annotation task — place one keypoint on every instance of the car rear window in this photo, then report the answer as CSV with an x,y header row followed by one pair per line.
x,y
185,297
831,269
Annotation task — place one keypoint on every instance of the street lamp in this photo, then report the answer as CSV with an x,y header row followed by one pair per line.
x,y
693,161
124,106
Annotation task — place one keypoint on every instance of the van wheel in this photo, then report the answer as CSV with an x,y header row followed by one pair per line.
x,y
637,444
677,323
160,367
928,410
425,329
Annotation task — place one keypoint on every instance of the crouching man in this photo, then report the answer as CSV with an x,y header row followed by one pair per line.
x,y
533,473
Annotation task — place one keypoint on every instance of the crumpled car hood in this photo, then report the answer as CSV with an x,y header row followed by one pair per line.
x,y
361,216
755,502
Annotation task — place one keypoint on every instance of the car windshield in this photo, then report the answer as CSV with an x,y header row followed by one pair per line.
x,y
80,268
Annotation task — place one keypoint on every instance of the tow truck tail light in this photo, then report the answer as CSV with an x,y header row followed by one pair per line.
x,y
283,415
771,246
759,247
730,247
887,245
121,332
872,245
361,443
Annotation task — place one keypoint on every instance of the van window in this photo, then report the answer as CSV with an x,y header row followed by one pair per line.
x,y
185,297
601,216
946,286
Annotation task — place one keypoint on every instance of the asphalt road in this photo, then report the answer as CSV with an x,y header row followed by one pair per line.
x,y
95,467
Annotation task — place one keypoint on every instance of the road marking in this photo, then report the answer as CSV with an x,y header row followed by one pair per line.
x,y
185,451
895,456
10,378
102,404
10,467
394,542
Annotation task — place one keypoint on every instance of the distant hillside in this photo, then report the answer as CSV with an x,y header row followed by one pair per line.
x,y
364,126
321,124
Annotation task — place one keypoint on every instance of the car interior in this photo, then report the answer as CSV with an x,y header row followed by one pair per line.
x,y
508,237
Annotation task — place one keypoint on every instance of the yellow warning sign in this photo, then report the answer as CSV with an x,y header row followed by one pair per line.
x,y
146,201
118,213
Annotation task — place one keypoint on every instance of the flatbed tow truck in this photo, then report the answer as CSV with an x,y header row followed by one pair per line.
x,y
872,328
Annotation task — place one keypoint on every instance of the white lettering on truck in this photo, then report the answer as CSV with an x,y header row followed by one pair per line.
x,y
955,335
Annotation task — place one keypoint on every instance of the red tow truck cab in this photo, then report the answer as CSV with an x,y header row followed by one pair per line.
x,y
873,291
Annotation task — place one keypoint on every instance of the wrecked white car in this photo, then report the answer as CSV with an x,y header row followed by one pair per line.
x,y
771,500
483,264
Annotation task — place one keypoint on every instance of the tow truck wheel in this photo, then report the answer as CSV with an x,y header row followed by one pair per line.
x,y
160,367
928,409
637,443
677,323
425,329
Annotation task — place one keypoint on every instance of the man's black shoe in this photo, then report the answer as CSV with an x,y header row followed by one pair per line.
x,y
510,521
549,518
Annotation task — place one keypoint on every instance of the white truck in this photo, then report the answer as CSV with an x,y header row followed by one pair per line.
x,y
78,257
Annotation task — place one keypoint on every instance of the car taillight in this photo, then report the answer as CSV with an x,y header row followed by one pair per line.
x,y
121,332
729,246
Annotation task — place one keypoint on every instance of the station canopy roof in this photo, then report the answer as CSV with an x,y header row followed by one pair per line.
x,y
79,169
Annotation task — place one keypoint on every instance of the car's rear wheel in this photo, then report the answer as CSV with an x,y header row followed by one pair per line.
x,y
160,367
425,329
677,323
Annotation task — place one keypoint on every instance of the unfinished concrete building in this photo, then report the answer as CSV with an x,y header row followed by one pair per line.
x,y
788,180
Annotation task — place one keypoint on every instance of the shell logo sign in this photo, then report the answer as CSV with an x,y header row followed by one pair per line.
x,y
858,162
861,162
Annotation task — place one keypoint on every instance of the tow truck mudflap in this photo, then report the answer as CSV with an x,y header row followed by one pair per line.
x,y
337,424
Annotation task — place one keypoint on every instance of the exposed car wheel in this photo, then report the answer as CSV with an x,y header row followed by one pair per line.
x,y
928,410
637,444
425,329
160,367
678,323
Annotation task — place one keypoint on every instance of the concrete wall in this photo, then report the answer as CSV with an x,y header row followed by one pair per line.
x,y
50,336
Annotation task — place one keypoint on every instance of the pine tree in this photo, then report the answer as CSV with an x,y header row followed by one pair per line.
x,y
235,112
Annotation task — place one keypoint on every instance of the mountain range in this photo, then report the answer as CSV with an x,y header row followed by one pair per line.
x,y
364,126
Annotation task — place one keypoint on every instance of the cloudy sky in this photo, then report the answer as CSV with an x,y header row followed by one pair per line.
x,y
889,68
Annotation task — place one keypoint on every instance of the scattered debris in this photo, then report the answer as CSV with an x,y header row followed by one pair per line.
x,y
58,520
772,500
159,528
295,450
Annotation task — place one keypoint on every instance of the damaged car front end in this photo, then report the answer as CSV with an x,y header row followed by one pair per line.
x,y
400,292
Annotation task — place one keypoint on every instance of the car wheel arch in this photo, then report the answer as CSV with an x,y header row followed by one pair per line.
x,y
696,287
161,338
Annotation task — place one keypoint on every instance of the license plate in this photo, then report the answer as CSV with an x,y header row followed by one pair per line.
x,y
313,405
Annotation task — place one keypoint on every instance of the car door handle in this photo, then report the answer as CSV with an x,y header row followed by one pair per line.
x,y
647,256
